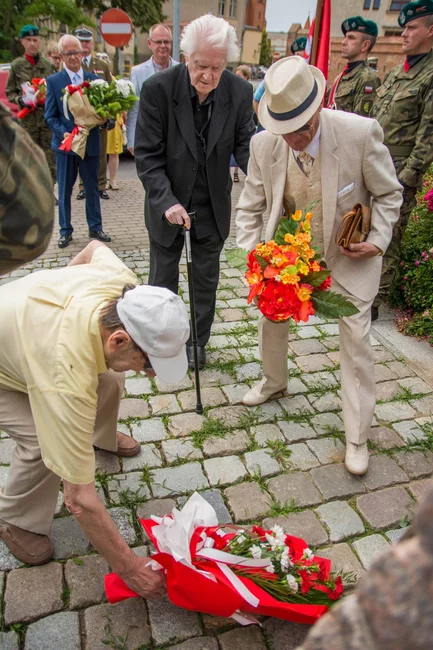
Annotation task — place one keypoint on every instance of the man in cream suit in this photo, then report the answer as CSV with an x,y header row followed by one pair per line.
x,y
337,158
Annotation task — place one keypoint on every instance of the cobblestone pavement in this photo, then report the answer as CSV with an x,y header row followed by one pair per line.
x,y
281,462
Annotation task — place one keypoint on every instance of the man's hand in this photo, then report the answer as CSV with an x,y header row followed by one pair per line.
x,y
360,251
178,216
131,150
66,135
142,579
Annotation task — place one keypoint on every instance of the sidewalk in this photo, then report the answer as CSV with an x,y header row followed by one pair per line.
x,y
279,463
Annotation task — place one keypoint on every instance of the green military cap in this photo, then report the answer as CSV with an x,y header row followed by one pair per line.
x,y
299,45
415,10
359,24
29,30
83,34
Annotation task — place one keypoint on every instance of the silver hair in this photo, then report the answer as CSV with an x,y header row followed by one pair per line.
x,y
151,30
212,33
68,36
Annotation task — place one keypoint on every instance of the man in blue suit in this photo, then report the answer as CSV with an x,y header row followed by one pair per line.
x,y
68,163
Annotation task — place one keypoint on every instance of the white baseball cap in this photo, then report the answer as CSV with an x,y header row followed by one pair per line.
x,y
157,321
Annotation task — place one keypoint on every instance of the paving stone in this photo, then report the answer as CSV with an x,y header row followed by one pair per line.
x,y
394,535
284,635
307,346
294,431
214,624
394,411
183,384
295,386
228,469
328,450
214,378
133,408
321,379
415,464
300,524
340,519
7,560
68,538
233,442
151,430
335,481
164,404
420,489
324,403
383,471
6,448
21,606
149,456
409,430
265,432
176,480
324,422
4,470
86,581
423,406
127,619
334,357
58,631
381,354
138,386
260,461
415,385
401,369
184,424
331,342
106,462
312,362
9,641
199,643
384,373
301,457
234,392
343,559
308,332
385,508
247,501
387,390
267,412
244,638
228,415
385,438
209,396
298,405
296,486
123,482
249,371
123,520
169,622
368,548
182,449
214,497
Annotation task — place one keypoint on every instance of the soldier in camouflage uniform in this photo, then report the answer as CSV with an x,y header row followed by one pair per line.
x,y
354,89
26,196
297,48
404,109
25,68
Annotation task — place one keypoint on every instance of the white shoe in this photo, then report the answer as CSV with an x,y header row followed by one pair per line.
x,y
255,396
356,460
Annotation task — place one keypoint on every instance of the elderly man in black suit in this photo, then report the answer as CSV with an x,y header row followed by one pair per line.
x,y
191,119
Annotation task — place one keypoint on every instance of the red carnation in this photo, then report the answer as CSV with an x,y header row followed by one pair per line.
x,y
326,284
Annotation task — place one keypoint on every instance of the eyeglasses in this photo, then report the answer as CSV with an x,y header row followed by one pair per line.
x,y
161,42
69,54
304,129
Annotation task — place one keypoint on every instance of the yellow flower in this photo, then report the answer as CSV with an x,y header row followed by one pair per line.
x,y
304,292
290,279
297,216
309,216
290,239
303,268
304,237
315,266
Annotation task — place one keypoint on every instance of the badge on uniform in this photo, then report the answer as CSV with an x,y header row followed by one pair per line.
x,y
368,89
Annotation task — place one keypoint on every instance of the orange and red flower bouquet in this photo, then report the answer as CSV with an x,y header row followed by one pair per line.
x,y
34,95
236,574
286,278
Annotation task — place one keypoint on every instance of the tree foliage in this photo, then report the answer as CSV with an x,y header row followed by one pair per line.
x,y
143,13
265,50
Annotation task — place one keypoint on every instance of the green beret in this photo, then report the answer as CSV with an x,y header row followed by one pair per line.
x,y
299,45
359,24
415,10
29,30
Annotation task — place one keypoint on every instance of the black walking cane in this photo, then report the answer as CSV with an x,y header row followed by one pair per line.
x,y
187,233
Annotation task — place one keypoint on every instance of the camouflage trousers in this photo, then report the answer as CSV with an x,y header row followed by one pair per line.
x,y
41,135
391,259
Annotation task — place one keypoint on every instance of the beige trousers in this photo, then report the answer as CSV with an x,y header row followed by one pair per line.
x,y
358,384
29,498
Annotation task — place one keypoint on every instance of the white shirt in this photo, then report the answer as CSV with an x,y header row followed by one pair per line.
x,y
312,148
158,67
71,74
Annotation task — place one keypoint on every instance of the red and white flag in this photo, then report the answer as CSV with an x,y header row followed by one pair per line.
x,y
321,34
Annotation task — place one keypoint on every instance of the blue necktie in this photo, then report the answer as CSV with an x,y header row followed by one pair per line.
x,y
76,79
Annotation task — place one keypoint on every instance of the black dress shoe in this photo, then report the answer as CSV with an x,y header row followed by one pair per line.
x,y
374,313
201,356
99,234
81,195
103,194
64,241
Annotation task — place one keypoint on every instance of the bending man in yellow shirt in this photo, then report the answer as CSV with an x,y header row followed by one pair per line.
x,y
66,337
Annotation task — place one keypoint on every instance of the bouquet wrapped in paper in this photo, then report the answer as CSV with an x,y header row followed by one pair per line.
x,y
34,95
285,276
92,103
235,574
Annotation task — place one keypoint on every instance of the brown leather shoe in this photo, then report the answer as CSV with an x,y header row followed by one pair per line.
x,y
27,547
127,452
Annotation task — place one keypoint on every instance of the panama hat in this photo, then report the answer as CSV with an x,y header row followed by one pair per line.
x,y
293,92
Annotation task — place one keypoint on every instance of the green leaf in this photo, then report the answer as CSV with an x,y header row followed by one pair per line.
x,y
286,226
237,258
329,304
316,278
261,260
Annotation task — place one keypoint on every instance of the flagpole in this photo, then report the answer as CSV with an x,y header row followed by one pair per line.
x,y
318,20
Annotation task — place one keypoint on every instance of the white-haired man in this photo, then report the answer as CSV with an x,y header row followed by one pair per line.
x,y
337,159
160,43
191,119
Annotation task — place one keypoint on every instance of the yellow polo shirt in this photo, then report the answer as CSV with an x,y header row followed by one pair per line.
x,y
51,348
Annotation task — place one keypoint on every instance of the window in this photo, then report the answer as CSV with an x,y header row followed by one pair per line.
x,y
221,7
376,4
397,5
367,4
232,8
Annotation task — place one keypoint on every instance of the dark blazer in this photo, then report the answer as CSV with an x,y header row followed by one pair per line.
x,y
55,118
165,146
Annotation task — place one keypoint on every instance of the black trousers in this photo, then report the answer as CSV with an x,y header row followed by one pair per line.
x,y
205,253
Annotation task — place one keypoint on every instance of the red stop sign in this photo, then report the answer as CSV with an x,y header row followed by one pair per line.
x,y
116,27
276,56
